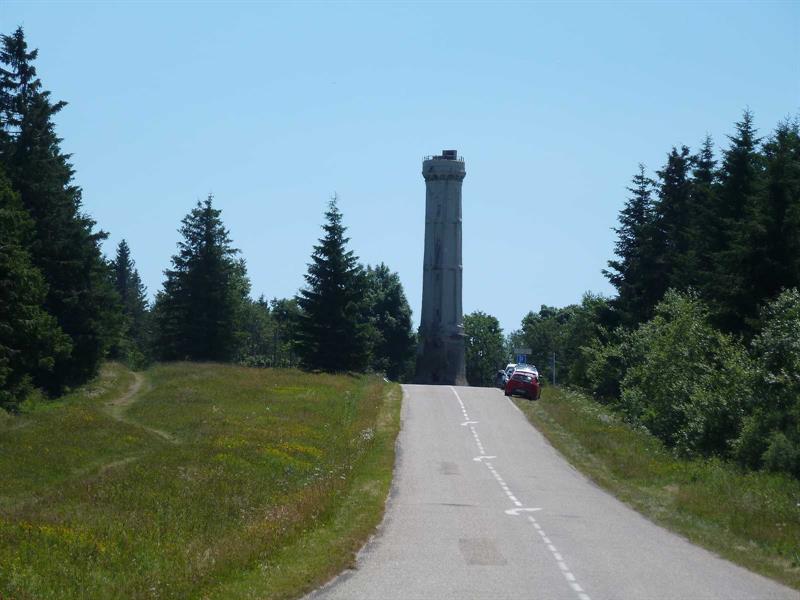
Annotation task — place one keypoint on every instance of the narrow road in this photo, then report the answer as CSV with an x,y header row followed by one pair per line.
x,y
484,507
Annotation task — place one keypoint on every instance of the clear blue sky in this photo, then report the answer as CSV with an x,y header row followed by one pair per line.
x,y
274,107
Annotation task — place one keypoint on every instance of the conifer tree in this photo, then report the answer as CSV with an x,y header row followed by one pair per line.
x,y
672,222
19,86
133,298
30,339
258,344
737,256
64,248
776,231
285,314
390,316
634,273
199,313
332,333
703,222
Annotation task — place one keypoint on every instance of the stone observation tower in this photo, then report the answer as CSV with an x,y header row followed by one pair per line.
x,y
440,356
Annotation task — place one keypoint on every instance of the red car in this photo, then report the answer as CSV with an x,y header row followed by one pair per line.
x,y
525,381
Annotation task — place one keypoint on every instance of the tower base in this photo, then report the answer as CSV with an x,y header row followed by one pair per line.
x,y
440,360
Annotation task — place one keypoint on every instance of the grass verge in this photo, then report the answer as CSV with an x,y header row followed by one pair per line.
x,y
751,518
214,482
316,555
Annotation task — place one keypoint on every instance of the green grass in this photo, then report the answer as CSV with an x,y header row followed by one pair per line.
x,y
751,518
218,482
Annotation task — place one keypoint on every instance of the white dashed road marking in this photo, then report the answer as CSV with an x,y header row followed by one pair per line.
x,y
484,459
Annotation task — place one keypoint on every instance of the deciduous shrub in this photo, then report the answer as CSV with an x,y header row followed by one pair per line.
x,y
687,383
606,366
771,434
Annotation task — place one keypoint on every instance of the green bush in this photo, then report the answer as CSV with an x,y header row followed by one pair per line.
x,y
591,323
687,383
696,388
750,446
606,365
5,418
781,454
771,433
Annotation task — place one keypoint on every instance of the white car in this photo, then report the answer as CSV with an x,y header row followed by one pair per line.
x,y
504,375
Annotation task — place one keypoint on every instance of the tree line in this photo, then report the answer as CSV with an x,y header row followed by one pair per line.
x,y
346,318
701,344
64,307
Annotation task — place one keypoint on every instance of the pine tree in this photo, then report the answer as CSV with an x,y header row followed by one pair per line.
x,y
390,315
199,313
65,248
133,297
635,273
332,334
30,339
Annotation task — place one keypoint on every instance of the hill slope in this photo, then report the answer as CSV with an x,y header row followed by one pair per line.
x,y
193,480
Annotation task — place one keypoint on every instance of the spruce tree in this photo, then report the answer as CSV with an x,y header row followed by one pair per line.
x,y
672,222
199,314
776,230
133,298
390,316
64,248
19,86
738,257
703,223
30,339
332,333
634,273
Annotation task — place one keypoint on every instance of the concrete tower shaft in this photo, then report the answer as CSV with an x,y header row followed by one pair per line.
x,y
440,357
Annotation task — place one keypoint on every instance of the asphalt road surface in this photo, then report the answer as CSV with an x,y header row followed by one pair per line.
x,y
483,507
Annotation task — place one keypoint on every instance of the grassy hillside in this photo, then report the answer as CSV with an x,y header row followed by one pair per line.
x,y
206,481
752,518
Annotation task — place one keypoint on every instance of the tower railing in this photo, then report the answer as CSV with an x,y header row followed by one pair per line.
x,y
456,159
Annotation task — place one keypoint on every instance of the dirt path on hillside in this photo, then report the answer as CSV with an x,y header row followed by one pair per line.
x,y
116,408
